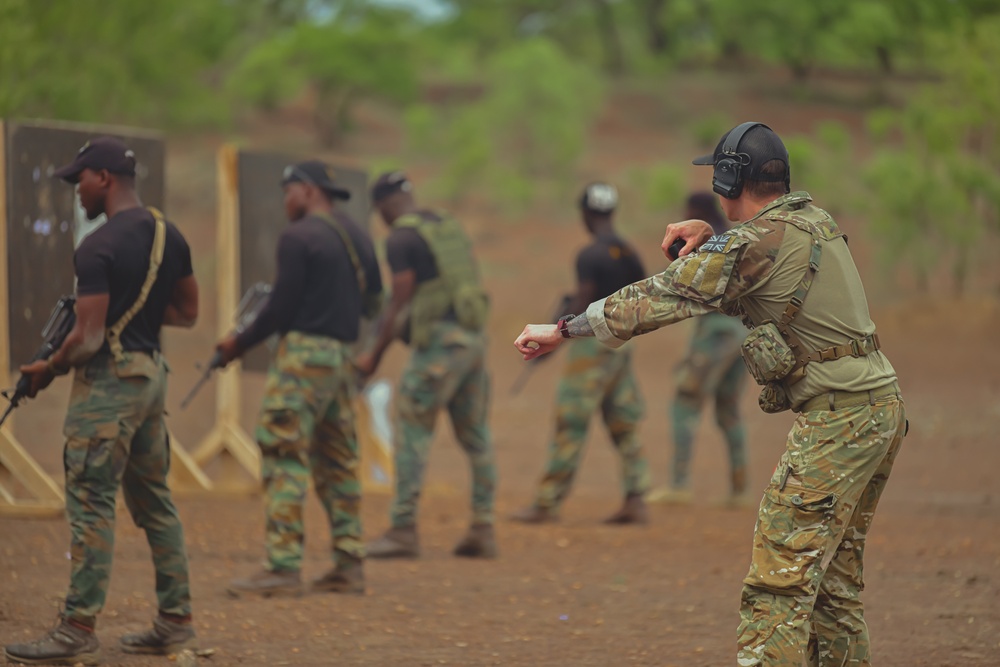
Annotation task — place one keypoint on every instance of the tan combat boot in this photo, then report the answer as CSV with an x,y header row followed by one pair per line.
x,y
401,542
164,638
268,583
347,577
666,495
68,644
633,511
479,542
738,497
535,514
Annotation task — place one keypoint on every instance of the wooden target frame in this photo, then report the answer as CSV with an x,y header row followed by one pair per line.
x,y
45,496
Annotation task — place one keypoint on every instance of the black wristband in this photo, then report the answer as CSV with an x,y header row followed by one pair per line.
x,y
563,322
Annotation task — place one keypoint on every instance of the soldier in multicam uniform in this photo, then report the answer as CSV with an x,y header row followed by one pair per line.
x,y
787,271
439,307
713,370
133,276
596,378
327,280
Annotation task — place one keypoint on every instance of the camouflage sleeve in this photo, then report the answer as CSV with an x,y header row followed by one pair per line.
x,y
722,270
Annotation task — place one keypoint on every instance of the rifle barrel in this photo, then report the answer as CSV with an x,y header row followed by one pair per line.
x,y
522,379
197,386
10,409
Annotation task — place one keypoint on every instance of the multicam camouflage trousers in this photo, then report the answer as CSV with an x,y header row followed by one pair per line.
x,y
306,426
595,378
801,599
712,369
449,373
115,436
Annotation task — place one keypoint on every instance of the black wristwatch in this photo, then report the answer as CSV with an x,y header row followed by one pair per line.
x,y
562,325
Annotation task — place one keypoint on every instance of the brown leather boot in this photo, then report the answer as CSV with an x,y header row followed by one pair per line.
x,y
739,481
347,577
68,644
633,511
479,542
268,583
535,514
164,638
401,542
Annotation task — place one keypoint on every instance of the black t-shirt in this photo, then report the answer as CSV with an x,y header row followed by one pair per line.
x,y
406,250
114,260
316,290
610,263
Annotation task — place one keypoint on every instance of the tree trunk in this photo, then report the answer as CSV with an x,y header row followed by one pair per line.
x,y
656,33
613,54
960,271
331,116
884,59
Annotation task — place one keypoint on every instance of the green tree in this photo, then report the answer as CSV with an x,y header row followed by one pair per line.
x,y
937,180
341,62
113,61
525,131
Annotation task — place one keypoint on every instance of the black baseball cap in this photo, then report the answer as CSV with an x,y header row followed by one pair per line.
x,y
97,154
315,172
389,184
599,197
758,146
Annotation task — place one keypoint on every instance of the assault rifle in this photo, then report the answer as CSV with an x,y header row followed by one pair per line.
x,y
246,312
60,323
560,308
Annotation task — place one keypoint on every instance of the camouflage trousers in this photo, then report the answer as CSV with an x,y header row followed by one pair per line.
x,y
116,436
801,599
448,373
713,369
306,428
595,378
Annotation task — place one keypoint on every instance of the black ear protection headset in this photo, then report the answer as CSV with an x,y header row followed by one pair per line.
x,y
727,178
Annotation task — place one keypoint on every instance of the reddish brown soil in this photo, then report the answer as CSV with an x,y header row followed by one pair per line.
x,y
577,593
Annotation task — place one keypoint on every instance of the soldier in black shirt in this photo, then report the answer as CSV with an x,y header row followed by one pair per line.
x,y
596,377
327,279
133,276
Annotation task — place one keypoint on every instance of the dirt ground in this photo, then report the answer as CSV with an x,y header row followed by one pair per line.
x,y
577,593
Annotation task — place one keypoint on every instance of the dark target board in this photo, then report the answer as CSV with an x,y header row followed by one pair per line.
x,y
45,221
262,218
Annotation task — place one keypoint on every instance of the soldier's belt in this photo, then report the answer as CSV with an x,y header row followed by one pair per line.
x,y
859,347
838,400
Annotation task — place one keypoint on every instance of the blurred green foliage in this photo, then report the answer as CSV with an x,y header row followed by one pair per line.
x,y
502,94
936,179
340,63
524,132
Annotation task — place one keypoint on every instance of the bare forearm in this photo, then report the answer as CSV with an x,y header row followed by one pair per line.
x,y
386,327
76,350
173,317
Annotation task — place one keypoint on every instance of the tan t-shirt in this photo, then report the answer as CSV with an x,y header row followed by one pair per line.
x,y
753,270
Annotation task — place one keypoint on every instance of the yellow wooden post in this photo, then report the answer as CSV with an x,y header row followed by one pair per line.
x,y
238,455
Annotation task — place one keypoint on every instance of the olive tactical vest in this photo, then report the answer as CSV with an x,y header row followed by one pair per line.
x,y
775,354
456,291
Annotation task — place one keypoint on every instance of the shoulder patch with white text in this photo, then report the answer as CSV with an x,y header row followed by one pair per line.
x,y
703,275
